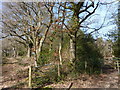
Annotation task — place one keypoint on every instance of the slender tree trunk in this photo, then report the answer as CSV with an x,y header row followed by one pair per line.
x,y
36,52
30,77
60,54
35,63
50,47
41,43
28,52
36,58
14,52
58,70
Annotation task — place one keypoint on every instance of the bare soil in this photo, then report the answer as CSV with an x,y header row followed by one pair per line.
x,y
14,72
109,80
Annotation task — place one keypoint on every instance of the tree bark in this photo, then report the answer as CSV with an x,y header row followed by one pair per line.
x,y
60,54
72,50
35,63
38,49
30,76
41,43
58,70
28,52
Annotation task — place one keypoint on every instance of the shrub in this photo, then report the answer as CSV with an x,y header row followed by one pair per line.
x,y
21,53
44,57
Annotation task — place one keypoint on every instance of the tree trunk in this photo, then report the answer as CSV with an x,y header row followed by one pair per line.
x,y
14,52
28,52
60,54
50,49
35,63
37,54
58,70
30,76
72,50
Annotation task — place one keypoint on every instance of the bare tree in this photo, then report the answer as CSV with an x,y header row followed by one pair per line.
x,y
11,48
30,22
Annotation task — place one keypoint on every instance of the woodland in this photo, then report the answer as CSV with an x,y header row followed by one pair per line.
x,y
53,45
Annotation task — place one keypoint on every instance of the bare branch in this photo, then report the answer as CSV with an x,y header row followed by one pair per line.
x,y
89,14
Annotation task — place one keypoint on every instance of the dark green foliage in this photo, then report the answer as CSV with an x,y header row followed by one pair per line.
x,y
115,35
40,79
66,70
21,53
65,42
89,59
45,56
116,48
53,75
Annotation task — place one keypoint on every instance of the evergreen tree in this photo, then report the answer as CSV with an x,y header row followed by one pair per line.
x,y
89,58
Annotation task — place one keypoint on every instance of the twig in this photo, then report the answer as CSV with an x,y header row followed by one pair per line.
x,y
70,86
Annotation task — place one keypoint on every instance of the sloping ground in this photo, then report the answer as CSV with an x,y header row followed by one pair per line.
x,y
14,71
109,80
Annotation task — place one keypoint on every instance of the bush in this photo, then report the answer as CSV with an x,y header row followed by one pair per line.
x,y
52,74
40,79
21,53
44,57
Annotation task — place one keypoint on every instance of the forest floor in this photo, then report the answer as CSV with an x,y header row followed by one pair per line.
x,y
109,80
14,73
